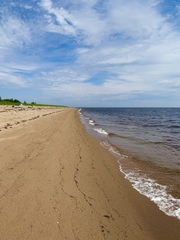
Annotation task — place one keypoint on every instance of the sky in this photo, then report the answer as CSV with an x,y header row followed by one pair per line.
x,y
91,53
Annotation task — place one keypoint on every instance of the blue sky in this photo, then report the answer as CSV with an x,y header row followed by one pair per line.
x,y
106,53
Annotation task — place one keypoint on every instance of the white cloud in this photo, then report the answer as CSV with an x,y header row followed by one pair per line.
x,y
9,79
134,19
63,76
15,36
60,23
131,41
27,7
14,32
47,4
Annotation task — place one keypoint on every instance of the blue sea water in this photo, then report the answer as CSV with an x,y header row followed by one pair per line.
x,y
146,142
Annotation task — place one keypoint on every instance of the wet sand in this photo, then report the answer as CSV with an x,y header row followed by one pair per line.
x,y
57,182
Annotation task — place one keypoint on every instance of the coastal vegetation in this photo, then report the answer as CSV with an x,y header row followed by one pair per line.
x,y
16,102
10,101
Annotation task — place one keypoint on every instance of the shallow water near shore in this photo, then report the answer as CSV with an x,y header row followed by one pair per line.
x,y
146,142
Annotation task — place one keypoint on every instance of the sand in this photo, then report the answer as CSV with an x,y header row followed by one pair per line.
x,y
57,182
10,116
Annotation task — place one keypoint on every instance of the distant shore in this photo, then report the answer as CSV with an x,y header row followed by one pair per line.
x,y
57,182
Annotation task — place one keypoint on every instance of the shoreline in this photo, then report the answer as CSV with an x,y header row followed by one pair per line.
x,y
147,179
58,182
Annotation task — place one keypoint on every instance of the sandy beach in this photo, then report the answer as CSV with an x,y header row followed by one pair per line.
x,y
14,115
58,182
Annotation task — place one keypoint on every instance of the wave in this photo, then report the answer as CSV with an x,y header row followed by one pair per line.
x,y
101,131
80,111
148,187
153,125
174,126
113,135
116,135
112,149
156,142
154,191
91,122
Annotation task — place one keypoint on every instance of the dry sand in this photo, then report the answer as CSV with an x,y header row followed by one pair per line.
x,y
57,182
10,116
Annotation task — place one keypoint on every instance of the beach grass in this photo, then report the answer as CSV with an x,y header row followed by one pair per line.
x,y
18,103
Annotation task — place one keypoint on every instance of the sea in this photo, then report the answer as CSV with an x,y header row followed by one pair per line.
x,y
146,143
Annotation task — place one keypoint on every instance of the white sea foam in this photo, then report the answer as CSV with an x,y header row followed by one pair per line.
x,y
91,122
112,149
80,111
108,146
101,131
154,191
148,187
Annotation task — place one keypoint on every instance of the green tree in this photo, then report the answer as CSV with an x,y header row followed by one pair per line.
x,y
16,101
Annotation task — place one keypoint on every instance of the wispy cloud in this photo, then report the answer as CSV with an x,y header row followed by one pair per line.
x,y
86,50
14,32
59,20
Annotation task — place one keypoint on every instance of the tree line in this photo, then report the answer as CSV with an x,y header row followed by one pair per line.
x,y
14,101
11,100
